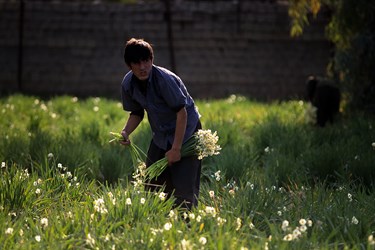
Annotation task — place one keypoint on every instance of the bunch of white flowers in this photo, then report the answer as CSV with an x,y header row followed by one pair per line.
x,y
203,143
99,206
139,174
206,143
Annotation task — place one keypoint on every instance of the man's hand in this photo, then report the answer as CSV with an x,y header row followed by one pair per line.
x,y
173,155
126,140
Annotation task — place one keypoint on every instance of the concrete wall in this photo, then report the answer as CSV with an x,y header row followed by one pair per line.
x,y
217,48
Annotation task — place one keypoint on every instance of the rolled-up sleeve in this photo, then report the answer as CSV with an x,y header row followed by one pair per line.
x,y
128,103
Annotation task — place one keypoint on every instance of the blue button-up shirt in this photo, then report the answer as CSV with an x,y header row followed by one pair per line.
x,y
165,95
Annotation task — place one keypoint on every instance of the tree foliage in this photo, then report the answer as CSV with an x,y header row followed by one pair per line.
x,y
352,30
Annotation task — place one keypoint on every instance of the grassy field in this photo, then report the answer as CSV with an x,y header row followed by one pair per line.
x,y
278,183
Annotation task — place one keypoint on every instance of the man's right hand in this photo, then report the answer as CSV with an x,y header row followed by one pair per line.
x,y
126,140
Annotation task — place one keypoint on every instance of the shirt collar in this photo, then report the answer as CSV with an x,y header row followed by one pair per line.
x,y
136,80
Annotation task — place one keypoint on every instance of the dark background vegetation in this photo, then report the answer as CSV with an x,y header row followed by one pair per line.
x,y
351,29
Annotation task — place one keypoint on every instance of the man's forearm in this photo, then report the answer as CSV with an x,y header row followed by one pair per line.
x,y
132,124
180,129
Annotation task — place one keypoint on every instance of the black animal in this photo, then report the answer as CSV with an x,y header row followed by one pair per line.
x,y
325,97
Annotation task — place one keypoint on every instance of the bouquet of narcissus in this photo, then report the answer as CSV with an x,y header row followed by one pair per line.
x,y
116,137
203,143
136,153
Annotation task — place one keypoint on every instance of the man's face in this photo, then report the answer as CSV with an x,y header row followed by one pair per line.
x,y
142,69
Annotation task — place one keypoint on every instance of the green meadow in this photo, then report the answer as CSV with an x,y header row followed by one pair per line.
x,y
278,182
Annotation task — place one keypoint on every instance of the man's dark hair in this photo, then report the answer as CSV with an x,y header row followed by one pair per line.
x,y
137,50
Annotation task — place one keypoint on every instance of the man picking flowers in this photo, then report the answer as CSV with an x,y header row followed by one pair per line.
x,y
172,116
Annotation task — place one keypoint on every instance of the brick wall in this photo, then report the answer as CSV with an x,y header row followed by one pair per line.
x,y
219,48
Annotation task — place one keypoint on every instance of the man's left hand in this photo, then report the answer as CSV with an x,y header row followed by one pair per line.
x,y
173,155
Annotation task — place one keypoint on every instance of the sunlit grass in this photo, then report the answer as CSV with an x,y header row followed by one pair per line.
x,y
278,182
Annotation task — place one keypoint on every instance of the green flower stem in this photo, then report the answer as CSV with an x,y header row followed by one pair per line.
x,y
188,149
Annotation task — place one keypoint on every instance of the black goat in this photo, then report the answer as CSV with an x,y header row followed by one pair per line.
x,y
325,97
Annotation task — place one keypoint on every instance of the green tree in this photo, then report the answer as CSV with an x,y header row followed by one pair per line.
x,y
352,31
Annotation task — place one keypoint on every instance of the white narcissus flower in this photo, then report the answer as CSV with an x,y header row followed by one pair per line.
x,y
192,216
296,233
221,221
38,238
371,240
185,244
212,194
303,228
285,225
302,222
90,240
167,226
350,197
309,223
288,237
203,240
9,230
199,218
238,224
354,220
210,210
217,175
172,215
99,206
44,222
162,196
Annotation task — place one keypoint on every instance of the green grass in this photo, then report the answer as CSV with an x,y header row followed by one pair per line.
x,y
63,186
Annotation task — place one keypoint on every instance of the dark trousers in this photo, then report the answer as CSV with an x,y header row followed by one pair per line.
x,y
181,179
